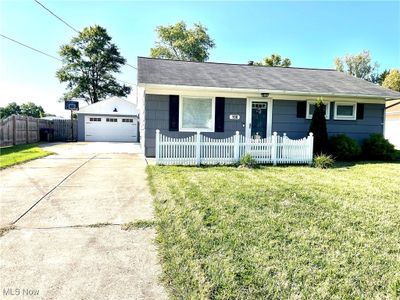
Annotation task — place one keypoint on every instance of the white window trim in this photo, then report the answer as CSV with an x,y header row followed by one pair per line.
x,y
212,129
327,112
339,117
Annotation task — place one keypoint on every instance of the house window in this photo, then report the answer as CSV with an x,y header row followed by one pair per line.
x,y
196,113
127,120
111,120
345,111
95,119
311,108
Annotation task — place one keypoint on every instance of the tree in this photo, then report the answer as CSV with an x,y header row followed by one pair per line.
x,y
178,42
89,61
32,110
358,65
275,60
380,78
392,81
9,110
29,109
318,128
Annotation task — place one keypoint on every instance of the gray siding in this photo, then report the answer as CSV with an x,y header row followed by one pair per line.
x,y
81,127
284,120
157,114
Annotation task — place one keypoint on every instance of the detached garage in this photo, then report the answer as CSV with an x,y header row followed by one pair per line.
x,y
111,120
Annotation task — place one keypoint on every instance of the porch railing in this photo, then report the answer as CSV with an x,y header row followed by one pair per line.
x,y
199,149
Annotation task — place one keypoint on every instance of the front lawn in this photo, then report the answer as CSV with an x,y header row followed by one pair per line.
x,y
279,232
21,153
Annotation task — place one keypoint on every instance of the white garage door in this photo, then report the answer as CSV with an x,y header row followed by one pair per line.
x,y
110,129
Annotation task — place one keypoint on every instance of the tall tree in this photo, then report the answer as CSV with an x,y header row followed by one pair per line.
x,y
179,42
9,110
32,110
89,62
275,60
359,65
392,81
380,78
318,128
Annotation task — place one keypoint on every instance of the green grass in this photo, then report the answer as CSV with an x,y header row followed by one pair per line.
x,y
139,224
18,154
279,232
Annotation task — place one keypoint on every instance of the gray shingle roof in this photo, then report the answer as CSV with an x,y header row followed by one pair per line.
x,y
222,75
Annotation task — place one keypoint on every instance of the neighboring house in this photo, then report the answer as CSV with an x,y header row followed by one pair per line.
x,y
180,98
392,122
112,120
51,118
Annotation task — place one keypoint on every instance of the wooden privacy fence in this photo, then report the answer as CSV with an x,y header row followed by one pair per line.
x,y
200,149
17,130
62,129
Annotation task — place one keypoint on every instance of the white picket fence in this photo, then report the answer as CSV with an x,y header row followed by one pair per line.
x,y
200,149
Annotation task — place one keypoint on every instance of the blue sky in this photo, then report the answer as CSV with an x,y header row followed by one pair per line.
x,y
311,34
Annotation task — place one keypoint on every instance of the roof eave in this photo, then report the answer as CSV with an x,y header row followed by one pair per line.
x,y
248,90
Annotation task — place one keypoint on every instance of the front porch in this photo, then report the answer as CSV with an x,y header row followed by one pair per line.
x,y
199,149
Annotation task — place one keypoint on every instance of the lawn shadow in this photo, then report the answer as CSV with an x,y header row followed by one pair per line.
x,y
348,164
12,149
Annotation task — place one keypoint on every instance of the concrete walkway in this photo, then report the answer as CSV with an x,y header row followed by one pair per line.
x,y
60,246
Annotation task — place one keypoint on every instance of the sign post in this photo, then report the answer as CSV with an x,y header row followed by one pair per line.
x,y
72,106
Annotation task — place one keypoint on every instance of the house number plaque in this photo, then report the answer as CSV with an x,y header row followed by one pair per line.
x,y
234,117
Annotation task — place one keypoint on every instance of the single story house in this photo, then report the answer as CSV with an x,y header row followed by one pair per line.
x,y
218,99
392,122
110,120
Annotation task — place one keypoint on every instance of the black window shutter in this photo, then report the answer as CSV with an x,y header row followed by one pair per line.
x,y
173,113
301,109
219,114
360,111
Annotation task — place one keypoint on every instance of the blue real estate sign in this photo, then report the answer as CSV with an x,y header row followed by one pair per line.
x,y
72,105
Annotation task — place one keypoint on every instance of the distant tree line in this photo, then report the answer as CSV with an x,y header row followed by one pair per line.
x,y
29,109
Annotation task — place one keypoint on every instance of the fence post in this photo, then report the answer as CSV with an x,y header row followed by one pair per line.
x,y
198,149
157,146
14,122
274,148
27,130
310,139
285,149
236,147
37,130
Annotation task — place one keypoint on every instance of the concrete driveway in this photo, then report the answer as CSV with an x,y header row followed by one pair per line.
x,y
68,209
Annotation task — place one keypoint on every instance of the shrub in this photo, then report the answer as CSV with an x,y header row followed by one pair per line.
x,y
248,161
323,161
376,147
342,147
318,128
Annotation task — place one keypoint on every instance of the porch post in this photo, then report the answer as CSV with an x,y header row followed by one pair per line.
x,y
310,139
157,146
274,148
236,147
286,151
198,149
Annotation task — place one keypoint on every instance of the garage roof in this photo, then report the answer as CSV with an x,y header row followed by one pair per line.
x,y
224,75
111,106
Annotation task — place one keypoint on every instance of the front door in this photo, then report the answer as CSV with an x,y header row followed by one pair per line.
x,y
259,120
